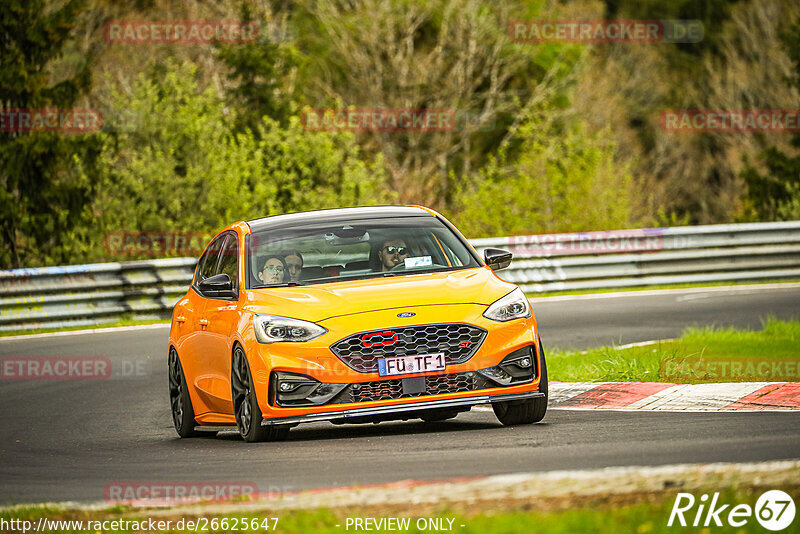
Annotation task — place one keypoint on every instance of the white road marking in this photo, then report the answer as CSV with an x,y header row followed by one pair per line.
x,y
90,331
654,292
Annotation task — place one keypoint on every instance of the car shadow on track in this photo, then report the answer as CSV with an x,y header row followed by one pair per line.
x,y
327,431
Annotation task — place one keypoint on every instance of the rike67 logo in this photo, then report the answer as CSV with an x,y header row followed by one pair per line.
x,y
774,510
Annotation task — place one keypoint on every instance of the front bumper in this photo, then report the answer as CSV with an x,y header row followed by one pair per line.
x,y
316,361
396,411
289,390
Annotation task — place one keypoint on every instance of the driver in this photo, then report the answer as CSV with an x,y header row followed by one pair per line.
x,y
393,252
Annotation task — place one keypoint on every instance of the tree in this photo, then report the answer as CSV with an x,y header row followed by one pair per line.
x,y
183,166
441,54
562,178
43,198
775,194
258,71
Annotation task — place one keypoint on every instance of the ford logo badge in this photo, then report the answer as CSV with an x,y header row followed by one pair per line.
x,y
406,314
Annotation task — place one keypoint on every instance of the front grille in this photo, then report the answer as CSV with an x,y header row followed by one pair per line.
x,y
393,388
361,351
439,384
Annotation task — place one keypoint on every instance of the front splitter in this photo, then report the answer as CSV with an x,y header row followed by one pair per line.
x,y
358,413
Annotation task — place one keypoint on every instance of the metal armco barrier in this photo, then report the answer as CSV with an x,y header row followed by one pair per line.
x,y
80,295
655,256
105,292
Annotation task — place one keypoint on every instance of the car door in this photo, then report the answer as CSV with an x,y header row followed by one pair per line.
x,y
221,317
190,315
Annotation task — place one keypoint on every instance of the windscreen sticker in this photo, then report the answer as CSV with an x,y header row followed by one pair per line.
x,y
419,261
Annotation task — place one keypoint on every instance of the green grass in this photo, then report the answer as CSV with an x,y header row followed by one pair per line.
x,y
675,361
638,514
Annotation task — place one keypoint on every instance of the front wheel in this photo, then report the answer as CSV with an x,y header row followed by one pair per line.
x,y
527,411
245,406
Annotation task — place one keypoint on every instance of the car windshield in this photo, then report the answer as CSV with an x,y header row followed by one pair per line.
x,y
333,252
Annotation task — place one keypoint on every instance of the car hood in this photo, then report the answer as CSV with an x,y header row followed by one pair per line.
x,y
323,301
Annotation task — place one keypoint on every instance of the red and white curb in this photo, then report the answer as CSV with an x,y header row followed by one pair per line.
x,y
752,396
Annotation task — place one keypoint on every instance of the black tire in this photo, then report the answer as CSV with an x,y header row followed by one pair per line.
x,y
179,400
435,416
528,411
245,405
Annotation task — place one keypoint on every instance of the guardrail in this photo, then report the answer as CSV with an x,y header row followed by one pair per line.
x,y
93,294
656,256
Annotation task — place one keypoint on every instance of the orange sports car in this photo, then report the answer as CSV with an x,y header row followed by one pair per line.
x,y
350,316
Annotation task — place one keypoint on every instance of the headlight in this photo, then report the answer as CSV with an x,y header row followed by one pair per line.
x,y
512,306
272,328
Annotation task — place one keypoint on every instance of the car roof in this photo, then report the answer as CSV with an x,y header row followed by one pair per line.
x,y
338,215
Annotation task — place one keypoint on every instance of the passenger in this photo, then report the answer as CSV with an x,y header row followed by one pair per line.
x,y
294,265
393,252
273,271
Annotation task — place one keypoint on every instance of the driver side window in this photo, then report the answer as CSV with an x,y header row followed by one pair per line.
x,y
207,266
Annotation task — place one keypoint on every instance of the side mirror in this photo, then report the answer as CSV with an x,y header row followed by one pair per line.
x,y
497,258
217,286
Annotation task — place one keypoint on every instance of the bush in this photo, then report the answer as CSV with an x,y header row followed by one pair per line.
x,y
561,179
177,164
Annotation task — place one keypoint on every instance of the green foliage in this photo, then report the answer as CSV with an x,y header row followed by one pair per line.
x,y
183,166
318,170
439,54
174,165
192,149
712,13
256,71
561,179
775,194
43,199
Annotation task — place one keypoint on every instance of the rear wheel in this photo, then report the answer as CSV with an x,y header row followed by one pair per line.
x,y
527,411
180,403
245,406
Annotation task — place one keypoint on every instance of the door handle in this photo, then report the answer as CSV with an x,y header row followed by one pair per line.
x,y
180,319
203,322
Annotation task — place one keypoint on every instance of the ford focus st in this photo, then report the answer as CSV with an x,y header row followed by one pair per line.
x,y
350,316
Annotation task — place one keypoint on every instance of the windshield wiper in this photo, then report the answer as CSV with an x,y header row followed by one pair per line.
x,y
287,284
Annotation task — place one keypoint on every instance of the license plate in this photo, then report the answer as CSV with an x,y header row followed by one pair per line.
x,y
419,363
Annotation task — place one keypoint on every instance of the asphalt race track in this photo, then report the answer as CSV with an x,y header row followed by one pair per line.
x,y
66,440
597,320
